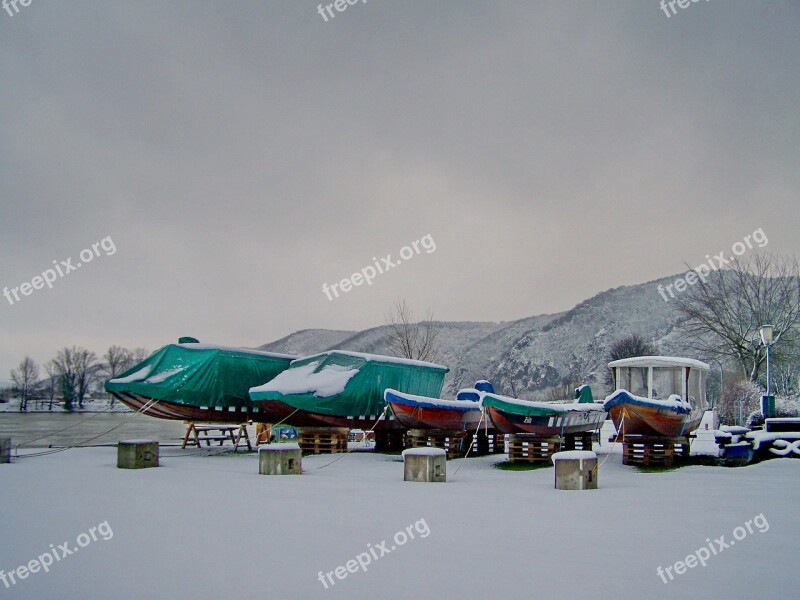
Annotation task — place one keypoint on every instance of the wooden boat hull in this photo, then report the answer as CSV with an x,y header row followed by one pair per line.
x,y
164,409
643,419
546,425
416,414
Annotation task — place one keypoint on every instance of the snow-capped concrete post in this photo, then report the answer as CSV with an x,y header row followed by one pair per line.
x,y
137,454
427,465
280,459
575,470
5,450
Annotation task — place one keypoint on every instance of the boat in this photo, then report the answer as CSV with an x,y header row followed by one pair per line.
x,y
512,415
423,412
660,396
340,388
190,381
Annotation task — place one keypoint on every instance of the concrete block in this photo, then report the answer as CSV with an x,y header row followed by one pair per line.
x,y
280,459
137,454
426,465
575,470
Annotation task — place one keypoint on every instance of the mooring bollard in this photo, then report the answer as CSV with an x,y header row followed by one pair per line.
x,y
280,459
137,454
576,470
5,450
426,465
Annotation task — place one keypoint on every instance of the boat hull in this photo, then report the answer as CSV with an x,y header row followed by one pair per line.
x,y
641,418
415,414
545,425
164,409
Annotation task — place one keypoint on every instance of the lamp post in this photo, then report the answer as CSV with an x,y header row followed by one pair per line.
x,y
766,339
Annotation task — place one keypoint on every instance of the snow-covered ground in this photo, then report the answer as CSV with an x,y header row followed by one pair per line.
x,y
208,526
88,406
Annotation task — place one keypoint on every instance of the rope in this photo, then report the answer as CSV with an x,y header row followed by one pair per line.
x,y
144,407
57,431
474,435
616,437
349,450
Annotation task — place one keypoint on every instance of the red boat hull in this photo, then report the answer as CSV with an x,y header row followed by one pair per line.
x,y
648,420
417,417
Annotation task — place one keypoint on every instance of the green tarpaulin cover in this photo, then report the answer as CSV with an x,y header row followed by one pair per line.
x,y
349,384
200,375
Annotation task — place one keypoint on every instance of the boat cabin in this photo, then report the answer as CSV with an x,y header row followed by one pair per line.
x,y
659,377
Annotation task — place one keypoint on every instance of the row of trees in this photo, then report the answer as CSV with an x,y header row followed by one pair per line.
x,y
70,376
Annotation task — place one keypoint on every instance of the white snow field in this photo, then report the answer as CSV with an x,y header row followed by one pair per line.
x,y
208,526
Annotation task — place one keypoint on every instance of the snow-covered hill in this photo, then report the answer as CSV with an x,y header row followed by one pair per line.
x,y
533,354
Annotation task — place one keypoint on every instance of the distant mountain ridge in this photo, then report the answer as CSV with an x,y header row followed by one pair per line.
x,y
526,357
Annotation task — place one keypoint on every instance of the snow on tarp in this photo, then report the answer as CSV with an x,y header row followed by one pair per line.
x,y
163,375
674,401
136,376
379,358
199,346
328,381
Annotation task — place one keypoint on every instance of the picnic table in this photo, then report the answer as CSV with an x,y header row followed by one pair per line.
x,y
196,433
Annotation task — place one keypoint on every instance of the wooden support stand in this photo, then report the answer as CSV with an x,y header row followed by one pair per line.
x,y
532,448
323,440
653,451
579,441
454,443
390,440
483,443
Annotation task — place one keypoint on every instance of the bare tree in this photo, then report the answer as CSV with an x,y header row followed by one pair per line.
x,y
408,339
138,355
117,360
51,383
76,368
628,347
723,311
26,379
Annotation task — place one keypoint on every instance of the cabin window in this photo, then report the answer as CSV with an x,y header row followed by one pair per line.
x,y
697,387
633,379
667,381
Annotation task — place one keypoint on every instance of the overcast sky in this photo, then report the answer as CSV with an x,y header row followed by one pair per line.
x,y
242,154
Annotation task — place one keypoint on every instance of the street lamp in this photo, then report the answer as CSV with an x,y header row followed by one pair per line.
x,y
766,339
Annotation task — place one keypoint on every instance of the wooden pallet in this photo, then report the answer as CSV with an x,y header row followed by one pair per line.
x,y
390,440
322,440
492,443
653,451
453,442
578,441
532,448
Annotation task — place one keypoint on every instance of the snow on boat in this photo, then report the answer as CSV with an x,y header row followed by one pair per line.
x,y
191,381
658,395
345,389
511,415
423,412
